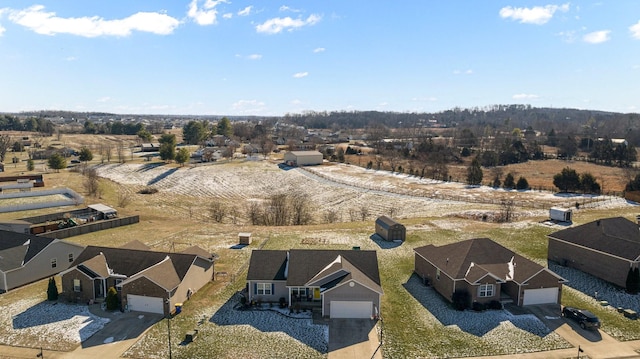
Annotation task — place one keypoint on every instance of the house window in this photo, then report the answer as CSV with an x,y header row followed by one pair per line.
x,y
118,286
438,273
77,287
70,257
486,290
54,262
300,294
264,289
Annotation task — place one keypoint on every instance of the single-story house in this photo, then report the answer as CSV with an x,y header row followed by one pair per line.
x,y
303,158
343,283
390,230
606,248
146,281
150,147
487,272
15,225
100,211
25,258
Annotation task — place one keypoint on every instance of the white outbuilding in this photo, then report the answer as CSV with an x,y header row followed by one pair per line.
x,y
303,158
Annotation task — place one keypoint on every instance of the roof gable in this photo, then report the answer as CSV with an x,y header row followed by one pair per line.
x,y
455,259
16,249
267,265
617,236
163,274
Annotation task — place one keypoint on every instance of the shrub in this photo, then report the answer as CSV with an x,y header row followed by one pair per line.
x,y
283,302
461,300
148,190
112,299
495,305
478,307
52,290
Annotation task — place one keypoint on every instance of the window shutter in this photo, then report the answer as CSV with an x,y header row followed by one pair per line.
x,y
273,288
255,288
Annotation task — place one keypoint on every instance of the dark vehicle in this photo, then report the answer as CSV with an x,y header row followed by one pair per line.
x,y
585,318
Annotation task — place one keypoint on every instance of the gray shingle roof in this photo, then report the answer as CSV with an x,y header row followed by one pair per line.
x,y
487,256
14,252
617,236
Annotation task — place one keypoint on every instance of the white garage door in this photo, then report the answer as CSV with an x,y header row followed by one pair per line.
x,y
141,303
341,309
540,296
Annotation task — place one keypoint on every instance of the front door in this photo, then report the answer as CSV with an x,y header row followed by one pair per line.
x,y
98,285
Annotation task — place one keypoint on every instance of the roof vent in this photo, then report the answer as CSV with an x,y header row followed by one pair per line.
x,y
598,222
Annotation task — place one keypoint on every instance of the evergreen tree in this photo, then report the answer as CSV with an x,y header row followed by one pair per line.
x,y
474,173
224,127
588,183
522,183
567,181
30,165
112,299
509,181
182,156
52,290
85,154
57,162
633,281
167,147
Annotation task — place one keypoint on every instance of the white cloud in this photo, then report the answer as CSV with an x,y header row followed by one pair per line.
x,y
319,49
568,36
465,72
248,107
246,11
47,23
207,15
254,57
525,96
300,75
71,58
227,15
284,8
537,15
2,30
635,30
276,25
597,37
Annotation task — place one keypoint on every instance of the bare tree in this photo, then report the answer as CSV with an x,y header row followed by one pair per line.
x,y
218,211
120,151
506,212
301,209
233,213
254,212
5,144
91,182
124,197
364,212
277,210
331,215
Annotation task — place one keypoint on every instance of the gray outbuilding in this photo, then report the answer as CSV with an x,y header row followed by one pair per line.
x,y
303,158
390,230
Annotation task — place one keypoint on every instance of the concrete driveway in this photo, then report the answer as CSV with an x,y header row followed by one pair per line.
x,y
353,339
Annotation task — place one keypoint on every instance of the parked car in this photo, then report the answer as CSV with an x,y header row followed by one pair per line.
x,y
585,318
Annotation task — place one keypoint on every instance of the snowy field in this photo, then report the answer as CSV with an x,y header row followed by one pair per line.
x,y
52,325
344,188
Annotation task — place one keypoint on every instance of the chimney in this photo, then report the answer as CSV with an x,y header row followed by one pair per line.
x,y
598,223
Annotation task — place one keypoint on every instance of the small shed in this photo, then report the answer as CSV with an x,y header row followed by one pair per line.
x,y
103,212
245,238
390,230
560,214
303,158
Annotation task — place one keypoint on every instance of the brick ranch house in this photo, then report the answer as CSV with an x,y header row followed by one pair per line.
x,y
488,272
606,248
146,281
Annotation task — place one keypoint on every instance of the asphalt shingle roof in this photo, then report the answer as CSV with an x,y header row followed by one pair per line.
x,y
617,236
14,252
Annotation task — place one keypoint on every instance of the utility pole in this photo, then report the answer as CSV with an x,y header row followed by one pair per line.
x,y
169,327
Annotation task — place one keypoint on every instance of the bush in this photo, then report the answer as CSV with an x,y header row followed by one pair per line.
x,y
148,190
461,300
495,305
52,290
283,302
478,307
112,299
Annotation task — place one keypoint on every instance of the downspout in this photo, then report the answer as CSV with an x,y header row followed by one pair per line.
x,y
4,275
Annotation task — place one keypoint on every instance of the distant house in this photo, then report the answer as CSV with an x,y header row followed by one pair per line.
x,y
150,147
25,258
15,225
606,248
390,230
303,158
486,271
146,281
343,283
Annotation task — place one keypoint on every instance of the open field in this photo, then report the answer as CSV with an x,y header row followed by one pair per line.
x,y
416,323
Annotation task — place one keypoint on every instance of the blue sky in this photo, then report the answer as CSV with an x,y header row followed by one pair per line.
x,y
204,57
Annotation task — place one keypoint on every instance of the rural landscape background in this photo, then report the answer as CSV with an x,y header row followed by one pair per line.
x,y
414,167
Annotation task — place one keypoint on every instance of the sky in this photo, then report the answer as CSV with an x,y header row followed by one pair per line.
x,y
268,58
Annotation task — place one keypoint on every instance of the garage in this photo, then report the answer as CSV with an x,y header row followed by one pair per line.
x,y
349,309
139,303
540,296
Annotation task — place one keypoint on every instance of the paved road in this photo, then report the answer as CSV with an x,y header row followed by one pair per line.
x,y
353,339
